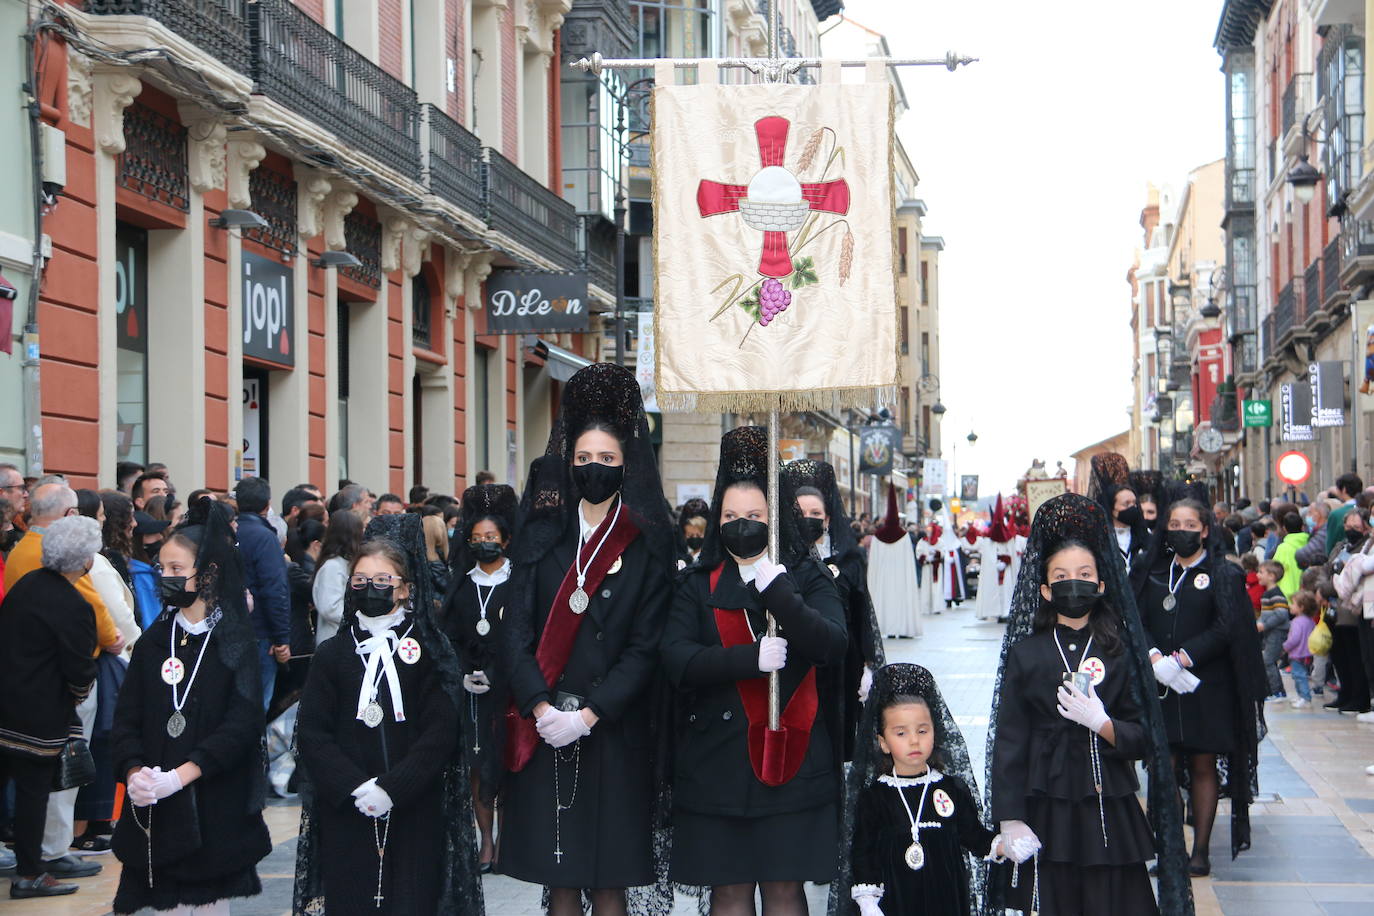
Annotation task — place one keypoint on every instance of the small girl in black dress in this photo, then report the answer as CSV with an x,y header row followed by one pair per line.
x,y
914,822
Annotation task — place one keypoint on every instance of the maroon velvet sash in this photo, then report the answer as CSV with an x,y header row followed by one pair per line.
x,y
776,756
560,631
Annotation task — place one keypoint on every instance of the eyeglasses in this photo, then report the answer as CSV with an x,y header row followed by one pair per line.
x,y
485,539
380,581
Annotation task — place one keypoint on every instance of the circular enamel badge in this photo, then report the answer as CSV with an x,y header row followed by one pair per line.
x,y
834,570
409,650
1093,667
681,564
1201,581
173,670
615,567
943,803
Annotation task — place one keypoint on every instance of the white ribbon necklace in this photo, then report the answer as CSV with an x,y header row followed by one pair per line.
x,y
493,579
378,650
915,853
176,722
578,600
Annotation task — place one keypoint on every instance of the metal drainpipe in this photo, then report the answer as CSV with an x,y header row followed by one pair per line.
x,y
32,386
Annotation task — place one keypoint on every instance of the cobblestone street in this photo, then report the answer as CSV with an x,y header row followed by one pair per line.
x,y
1313,829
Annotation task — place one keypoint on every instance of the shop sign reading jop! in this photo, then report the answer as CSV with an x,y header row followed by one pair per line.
x,y
268,311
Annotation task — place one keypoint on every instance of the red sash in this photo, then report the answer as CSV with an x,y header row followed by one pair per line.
x,y
560,631
1002,573
775,755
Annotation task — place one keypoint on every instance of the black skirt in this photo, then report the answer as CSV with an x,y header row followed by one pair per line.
x,y
1071,831
168,893
1073,890
713,849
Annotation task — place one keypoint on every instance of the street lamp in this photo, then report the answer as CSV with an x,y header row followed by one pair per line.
x,y
1304,178
972,437
938,409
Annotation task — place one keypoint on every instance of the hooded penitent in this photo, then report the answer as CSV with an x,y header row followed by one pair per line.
x,y
892,575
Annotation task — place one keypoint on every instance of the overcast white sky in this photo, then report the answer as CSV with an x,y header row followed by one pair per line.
x,y
1033,164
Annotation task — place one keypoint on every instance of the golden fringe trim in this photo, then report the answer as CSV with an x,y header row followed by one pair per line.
x,y
831,399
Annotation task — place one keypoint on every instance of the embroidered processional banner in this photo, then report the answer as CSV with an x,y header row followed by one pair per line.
x,y
773,209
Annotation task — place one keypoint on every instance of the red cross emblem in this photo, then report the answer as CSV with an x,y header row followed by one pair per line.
x,y
173,670
409,650
1094,668
775,201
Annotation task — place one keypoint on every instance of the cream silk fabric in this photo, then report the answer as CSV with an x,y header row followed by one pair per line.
x,y
836,341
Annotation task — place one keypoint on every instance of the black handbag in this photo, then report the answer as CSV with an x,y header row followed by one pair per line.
x,y
75,766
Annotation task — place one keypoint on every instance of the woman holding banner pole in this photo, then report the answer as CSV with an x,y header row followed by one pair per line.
x,y
754,807
591,579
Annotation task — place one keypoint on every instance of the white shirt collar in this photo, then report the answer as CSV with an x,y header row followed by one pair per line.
x,y
195,629
899,782
378,625
1202,556
823,546
746,571
476,574
588,529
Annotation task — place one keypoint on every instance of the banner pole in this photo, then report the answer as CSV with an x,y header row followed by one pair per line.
x,y
774,554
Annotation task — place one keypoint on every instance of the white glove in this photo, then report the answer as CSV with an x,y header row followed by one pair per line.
x,y
476,683
371,800
865,684
765,571
1166,669
1185,681
868,905
141,789
1001,565
162,784
1084,708
772,653
559,728
1019,842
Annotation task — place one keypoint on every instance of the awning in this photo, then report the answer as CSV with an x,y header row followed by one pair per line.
x,y
562,364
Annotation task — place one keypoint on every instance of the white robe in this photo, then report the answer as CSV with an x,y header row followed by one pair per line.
x,y
951,578
929,556
994,579
892,586
1018,545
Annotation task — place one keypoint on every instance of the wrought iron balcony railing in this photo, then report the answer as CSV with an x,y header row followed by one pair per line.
x,y
454,167
597,240
1331,271
1285,312
304,66
523,209
1296,99
218,27
1267,347
1312,288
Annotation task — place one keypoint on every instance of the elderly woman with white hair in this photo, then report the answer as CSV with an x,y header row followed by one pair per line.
x,y
47,666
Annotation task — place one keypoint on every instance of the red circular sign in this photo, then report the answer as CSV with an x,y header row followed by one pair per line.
x,y
1293,468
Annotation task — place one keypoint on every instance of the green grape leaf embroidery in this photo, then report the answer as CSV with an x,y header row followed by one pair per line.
x,y
803,273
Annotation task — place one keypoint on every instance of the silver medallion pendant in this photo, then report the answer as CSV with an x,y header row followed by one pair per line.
x,y
915,857
1170,602
176,724
372,714
579,601
483,627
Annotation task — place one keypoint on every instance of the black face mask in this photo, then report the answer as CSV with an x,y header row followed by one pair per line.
x,y
695,541
1183,543
744,537
1130,517
1354,535
1152,523
813,528
486,551
174,593
373,601
597,482
1073,597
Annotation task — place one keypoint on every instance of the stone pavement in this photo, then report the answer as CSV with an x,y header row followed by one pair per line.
x,y
1313,829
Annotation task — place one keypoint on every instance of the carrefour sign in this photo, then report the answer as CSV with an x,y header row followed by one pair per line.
x,y
268,310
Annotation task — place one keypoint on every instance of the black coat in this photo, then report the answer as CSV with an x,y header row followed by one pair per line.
x,y
1203,720
406,758
47,643
712,772
1042,771
605,835
476,652
223,736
